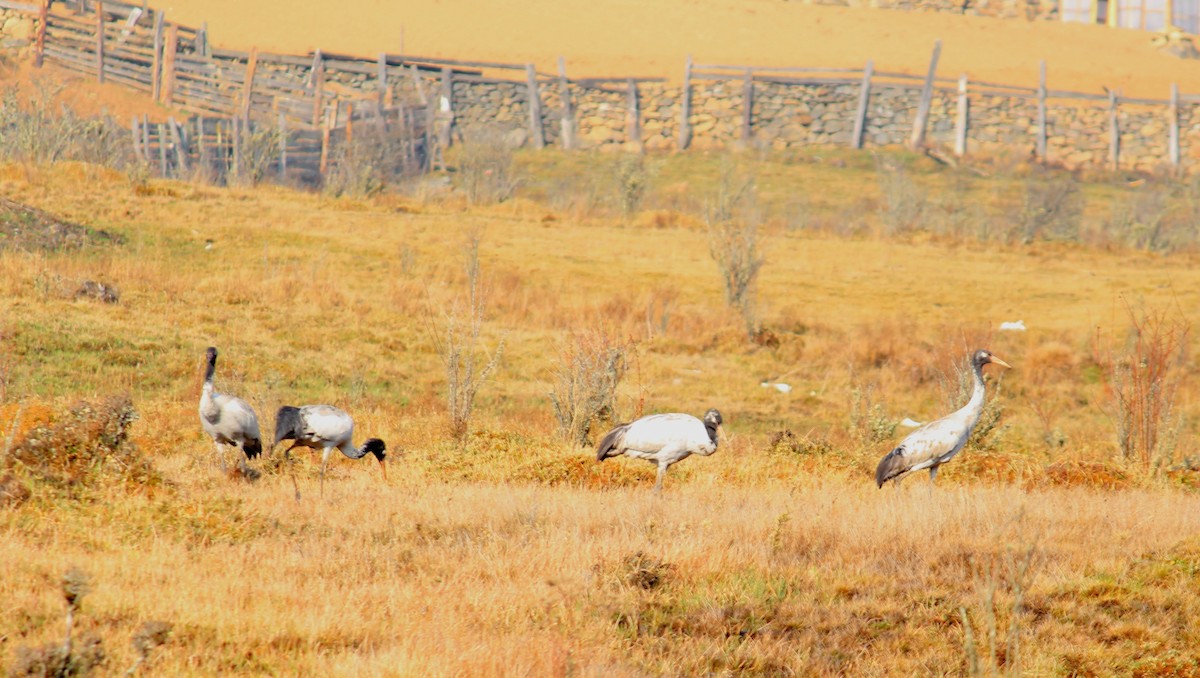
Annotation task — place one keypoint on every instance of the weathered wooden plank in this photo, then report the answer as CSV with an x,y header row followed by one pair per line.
x,y
962,119
747,105
1041,112
137,138
99,40
534,98
168,68
633,116
685,106
181,156
156,72
39,40
20,6
202,46
567,118
918,134
860,113
1173,126
1114,132
248,87
318,85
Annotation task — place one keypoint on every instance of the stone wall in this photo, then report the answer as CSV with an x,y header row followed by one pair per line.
x,y
1031,10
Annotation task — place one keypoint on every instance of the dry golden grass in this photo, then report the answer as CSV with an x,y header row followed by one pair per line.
x,y
513,553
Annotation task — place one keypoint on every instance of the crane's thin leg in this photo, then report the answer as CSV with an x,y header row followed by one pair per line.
x,y
292,470
662,472
324,461
932,476
221,457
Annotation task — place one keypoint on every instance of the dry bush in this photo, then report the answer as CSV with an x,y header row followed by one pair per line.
x,y
87,447
379,157
1051,207
631,180
65,659
993,627
957,384
36,130
459,344
486,170
1150,220
1143,378
904,204
259,151
591,366
736,243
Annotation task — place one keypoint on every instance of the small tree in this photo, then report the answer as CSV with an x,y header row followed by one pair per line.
x,y
460,346
735,243
590,369
1142,382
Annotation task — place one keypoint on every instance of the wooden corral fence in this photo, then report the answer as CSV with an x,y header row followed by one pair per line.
x,y
314,100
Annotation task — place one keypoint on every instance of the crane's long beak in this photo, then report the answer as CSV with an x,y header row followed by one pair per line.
x,y
383,469
1000,362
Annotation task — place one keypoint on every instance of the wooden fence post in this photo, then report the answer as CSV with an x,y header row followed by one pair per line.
x,y
860,115
381,78
162,150
535,108
445,111
961,121
137,138
349,123
567,120
248,91
633,116
1173,126
283,142
40,36
918,133
146,138
168,67
317,81
180,148
1114,132
685,106
236,135
202,40
156,66
325,130
1041,112
100,41
747,105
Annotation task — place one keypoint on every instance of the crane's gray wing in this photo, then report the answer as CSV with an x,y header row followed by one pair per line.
x,y
923,448
237,415
658,431
328,423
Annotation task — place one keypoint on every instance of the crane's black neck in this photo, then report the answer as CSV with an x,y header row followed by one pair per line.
x,y
212,367
711,427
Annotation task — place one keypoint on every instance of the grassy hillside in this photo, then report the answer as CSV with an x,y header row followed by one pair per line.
x,y
512,551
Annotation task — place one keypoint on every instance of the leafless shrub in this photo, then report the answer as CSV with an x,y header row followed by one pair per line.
x,y
992,634
380,156
486,169
1142,380
66,659
590,369
151,635
903,202
1148,220
259,150
87,446
957,387
1051,207
631,179
735,243
869,423
35,130
460,346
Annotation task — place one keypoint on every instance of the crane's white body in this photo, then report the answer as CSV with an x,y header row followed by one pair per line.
x,y
327,428
227,419
939,441
663,439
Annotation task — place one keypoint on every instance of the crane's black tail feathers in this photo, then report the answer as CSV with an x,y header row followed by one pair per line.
x,y
611,442
890,466
287,424
252,448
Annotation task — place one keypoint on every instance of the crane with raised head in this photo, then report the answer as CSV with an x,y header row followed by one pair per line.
x,y
937,442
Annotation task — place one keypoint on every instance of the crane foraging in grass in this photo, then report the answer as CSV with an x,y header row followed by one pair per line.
x,y
228,419
937,442
663,439
324,427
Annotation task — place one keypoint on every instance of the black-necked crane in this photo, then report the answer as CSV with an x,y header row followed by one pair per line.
x,y
937,442
325,427
663,439
228,419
